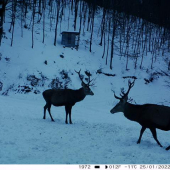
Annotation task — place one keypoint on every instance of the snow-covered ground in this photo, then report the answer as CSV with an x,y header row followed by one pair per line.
x,y
96,136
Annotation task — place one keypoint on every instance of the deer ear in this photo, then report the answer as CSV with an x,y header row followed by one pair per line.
x,y
125,99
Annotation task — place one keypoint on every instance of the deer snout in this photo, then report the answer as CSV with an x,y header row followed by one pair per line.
x,y
112,111
91,93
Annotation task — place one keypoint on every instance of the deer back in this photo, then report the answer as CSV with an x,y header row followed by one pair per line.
x,y
148,114
62,97
158,115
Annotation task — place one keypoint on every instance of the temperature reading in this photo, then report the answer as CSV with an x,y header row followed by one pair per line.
x,y
132,166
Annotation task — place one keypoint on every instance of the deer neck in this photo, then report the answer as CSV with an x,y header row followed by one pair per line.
x,y
80,95
131,112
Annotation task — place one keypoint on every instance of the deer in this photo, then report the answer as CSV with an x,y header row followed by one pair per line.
x,y
151,116
67,97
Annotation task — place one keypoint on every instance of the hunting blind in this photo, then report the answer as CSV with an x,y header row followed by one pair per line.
x,y
70,39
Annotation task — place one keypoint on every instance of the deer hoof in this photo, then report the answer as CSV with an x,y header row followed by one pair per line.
x,y
52,120
168,148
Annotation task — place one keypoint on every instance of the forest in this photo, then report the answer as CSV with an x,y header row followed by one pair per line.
x,y
155,11
133,28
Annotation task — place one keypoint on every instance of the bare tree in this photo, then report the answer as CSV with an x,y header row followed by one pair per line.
x,y
113,38
57,18
33,21
92,27
44,7
75,13
108,37
14,5
103,26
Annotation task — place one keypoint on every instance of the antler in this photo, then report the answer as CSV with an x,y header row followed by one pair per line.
x,y
123,94
116,96
89,76
89,81
80,76
130,84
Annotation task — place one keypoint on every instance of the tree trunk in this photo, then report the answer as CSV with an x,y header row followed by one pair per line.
x,y
113,37
44,7
92,26
57,18
13,19
102,26
75,14
33,21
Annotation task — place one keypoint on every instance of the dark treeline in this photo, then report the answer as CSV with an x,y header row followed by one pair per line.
x,y
155,11
119,29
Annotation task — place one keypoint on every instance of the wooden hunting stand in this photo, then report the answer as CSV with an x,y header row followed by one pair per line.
x,y
70,39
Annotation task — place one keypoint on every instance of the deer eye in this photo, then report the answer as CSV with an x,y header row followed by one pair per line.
x,y
87,88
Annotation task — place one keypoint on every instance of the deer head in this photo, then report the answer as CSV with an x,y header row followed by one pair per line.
x,y
123,99
86,86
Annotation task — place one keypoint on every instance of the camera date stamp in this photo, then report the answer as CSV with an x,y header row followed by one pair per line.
x,y
127,167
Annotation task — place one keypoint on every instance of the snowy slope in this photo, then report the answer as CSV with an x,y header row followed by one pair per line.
x,y
96,136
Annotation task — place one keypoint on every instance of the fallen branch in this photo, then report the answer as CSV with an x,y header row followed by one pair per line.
x,y
132,77
106,74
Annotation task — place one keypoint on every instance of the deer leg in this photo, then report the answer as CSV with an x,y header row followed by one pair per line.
x,y
141,133
45,107
67,111
70,107
153,130
49,111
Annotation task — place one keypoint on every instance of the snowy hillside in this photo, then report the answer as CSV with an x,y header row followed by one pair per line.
x,y
96,136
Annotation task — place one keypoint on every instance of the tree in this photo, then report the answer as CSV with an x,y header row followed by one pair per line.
x,y
33,21
113,37
92,25
44,7
57,18
13,17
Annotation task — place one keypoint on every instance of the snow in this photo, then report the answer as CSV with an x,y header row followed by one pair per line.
x,y
92,139
96,136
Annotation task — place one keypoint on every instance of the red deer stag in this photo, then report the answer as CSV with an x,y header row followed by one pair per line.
x,y
66,97
150,116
